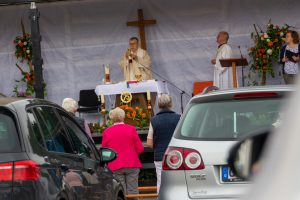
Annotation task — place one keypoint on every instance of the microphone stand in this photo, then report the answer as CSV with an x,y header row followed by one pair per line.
x,y
182,92
243,78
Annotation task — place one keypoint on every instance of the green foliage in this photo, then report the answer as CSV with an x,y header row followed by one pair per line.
x,y
147,174
23,53
266,49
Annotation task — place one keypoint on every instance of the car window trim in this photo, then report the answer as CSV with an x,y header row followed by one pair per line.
x,y
95,151
60,122
18,126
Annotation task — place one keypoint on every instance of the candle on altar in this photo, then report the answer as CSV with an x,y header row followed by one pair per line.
x,y
106,69
148,95
107,73
102,98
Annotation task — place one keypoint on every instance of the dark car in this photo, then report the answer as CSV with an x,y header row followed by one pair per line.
x,y
44,154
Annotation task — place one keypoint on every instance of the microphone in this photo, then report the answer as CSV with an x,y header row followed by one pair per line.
x,y
129,57
241,52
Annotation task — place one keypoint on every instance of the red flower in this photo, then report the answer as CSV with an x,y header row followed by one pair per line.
x,y
264,61
27,76
21,44
263,50
264,56
276,40
24,49
270,44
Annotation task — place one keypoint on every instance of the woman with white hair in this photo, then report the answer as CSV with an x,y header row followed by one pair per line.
x,y
161,131
125,141
71,106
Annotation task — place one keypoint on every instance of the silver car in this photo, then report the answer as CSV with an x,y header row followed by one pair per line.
x,y
195,165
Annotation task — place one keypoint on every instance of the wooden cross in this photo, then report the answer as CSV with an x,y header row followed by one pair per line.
x,y
141,23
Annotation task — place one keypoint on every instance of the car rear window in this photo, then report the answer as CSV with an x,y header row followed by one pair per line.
x,y
9,140
228,120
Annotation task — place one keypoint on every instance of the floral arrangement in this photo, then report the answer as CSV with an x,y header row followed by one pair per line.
x,y
98,128
28,80
266,49
135,116
139,116
23,53
23,48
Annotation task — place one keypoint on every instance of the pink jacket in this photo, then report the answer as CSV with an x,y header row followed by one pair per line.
x,y
125,141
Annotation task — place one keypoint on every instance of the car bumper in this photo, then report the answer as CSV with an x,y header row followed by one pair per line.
x,y
173,187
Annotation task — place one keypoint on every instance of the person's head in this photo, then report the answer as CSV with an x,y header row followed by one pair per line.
x,y
117,115
70,105
165,101
134,43
222,37
292,37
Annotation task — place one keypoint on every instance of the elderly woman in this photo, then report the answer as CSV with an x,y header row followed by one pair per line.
x,y
125,141
161,130
71,106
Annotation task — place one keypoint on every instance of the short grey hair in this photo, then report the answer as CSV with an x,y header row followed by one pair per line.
x,y
226,34
70,105
117,115
165,101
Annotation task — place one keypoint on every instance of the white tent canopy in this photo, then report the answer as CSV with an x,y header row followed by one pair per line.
x,y
80,36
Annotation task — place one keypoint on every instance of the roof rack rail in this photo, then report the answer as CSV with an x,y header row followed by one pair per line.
x,y
210,89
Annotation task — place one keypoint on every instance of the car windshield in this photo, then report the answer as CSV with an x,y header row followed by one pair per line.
x,y
228,120
9,141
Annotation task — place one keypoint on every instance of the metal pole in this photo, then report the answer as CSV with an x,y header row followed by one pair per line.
x,y
37,60
243,77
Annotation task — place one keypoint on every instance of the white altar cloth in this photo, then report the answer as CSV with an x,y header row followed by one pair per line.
x,y
159,87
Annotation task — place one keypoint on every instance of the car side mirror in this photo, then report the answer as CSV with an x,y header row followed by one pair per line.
x,y
107,155
245,156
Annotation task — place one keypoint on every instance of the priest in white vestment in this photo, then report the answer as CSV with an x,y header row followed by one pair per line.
x,y
135,63
222,75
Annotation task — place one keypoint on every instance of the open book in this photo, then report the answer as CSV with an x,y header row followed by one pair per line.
x,y
290,54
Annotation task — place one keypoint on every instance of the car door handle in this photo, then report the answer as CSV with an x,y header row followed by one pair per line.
x,y
64,167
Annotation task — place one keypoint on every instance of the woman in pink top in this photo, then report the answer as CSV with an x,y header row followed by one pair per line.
x,y
125,141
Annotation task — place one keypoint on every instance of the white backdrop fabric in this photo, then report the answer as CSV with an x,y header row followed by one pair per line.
x,y
80,36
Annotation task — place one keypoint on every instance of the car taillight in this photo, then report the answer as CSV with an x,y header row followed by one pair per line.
x,y
6,171
174,159
182,159
26,170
